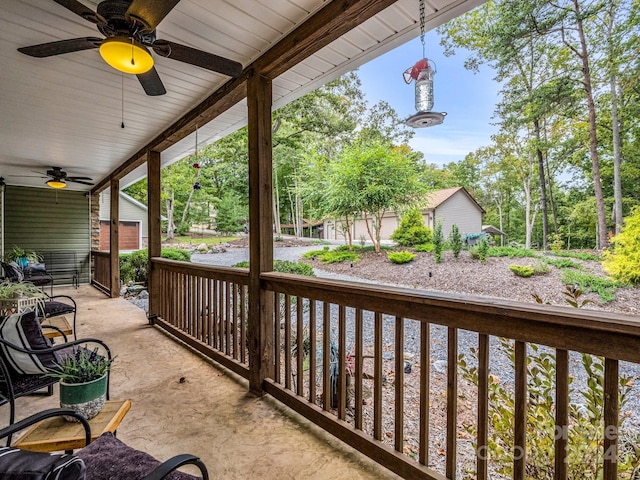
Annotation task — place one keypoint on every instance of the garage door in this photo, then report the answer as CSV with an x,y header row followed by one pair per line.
x,y
128,238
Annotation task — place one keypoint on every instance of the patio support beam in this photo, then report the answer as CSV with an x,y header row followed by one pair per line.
x,y
114,261
332,21
261,329
154,231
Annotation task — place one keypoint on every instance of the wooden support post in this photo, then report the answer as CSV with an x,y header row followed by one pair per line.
x,y
114,261
153,228
261,320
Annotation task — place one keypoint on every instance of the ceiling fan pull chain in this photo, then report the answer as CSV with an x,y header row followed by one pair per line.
x,y
122,86
133,62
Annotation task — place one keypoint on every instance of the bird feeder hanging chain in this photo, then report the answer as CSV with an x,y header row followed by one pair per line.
x,y
422,27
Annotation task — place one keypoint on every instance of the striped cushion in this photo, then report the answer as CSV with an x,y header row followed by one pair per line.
x,y
18,464
23,329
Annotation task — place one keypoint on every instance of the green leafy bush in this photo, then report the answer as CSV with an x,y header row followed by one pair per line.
x,y
522,270
455,240
483,250
437,242
473,252
134,266
604,287
562,262
579,255
286,266
541,268
425,247
511,252
623,262
555,242
411,230
401,257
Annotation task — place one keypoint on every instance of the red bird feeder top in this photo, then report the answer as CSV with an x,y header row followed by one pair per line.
x,y
196,165
412,73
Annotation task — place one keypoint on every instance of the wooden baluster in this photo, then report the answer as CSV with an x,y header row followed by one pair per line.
x,y
287,341
277,336
358,366
207,309
377,373
220,318
300,345
228,319
425,369
482,441
312,351
342,363
326,356
520,414
452,402
234,322
611,418
243,324
562,415
399,386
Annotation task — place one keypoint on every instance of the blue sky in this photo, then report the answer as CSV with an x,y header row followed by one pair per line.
x,y
468,98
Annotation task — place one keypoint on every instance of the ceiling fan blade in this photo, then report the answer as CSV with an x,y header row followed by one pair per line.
x,y
150,12
63,46
197,57
75,179
78,181
151,83
79,9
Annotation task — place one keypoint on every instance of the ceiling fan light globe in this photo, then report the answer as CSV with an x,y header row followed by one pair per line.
x,y
126,55
55,183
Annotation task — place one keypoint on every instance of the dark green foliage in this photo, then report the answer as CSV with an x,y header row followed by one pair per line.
x,y
455,240
286,266
604,287
134,266
511,252
437,243
401,257
522,270
82,366
411,230
231,215
483,250
561,262
425,247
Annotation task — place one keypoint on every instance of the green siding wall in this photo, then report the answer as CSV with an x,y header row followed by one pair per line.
x,y
43,219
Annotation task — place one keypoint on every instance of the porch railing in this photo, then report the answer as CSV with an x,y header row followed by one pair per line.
x,y
101,270
378,367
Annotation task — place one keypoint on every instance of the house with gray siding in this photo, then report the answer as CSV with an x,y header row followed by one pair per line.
x,y
133,222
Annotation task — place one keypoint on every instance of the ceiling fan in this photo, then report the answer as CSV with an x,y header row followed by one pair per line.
x,y
58,178
130,27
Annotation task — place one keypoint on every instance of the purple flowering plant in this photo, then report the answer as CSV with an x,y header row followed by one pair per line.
x,y
81,366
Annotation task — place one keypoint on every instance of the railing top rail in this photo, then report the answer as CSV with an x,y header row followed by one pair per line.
x,y
600,333
230,274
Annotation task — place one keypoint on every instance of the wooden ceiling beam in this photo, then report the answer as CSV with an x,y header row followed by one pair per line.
x,y
323,27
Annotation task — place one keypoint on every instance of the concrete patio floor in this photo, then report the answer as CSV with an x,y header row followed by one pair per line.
x,y
210,413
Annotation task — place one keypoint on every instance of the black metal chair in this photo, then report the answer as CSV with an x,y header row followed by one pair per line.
x,y
56,305
15,383
105,458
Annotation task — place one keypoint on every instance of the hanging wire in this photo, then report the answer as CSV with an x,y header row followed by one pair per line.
x,y
122,111
424,55
196,149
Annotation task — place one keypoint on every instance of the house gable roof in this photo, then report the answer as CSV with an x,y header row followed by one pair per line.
x,y
437,198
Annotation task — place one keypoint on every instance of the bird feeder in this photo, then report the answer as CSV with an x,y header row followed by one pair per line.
x,y
422,73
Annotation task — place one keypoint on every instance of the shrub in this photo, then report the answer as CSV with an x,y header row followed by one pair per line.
x,y
541,268
623,262
286,266
455,240
555,242
579,255
473,252
602,286
437,243
333,256
511,252
561,262
411,230
425,247
134,266
522,270
401,257
483,250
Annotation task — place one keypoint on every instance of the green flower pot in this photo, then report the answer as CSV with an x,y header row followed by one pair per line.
x,y
86,398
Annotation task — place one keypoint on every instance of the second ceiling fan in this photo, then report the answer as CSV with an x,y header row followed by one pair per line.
x,y
130,27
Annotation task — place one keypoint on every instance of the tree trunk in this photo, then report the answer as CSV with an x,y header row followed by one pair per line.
x,y
543,186
593,136
617,157
276,206
170,225
376,246
348,228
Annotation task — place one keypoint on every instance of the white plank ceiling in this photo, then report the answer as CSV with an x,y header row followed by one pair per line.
x,y
66,110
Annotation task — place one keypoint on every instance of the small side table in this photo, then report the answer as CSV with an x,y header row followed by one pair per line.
x,y
56,434
59,322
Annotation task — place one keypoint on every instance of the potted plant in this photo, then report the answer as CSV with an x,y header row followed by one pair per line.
x,y
18,296
22,257
84,376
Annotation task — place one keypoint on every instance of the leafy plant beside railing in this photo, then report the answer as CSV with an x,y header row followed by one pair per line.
x,y
604,287
134,266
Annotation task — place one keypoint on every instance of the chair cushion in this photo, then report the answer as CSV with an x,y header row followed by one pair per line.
x,y
107,458
24,330
13,271
52,308
18,464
